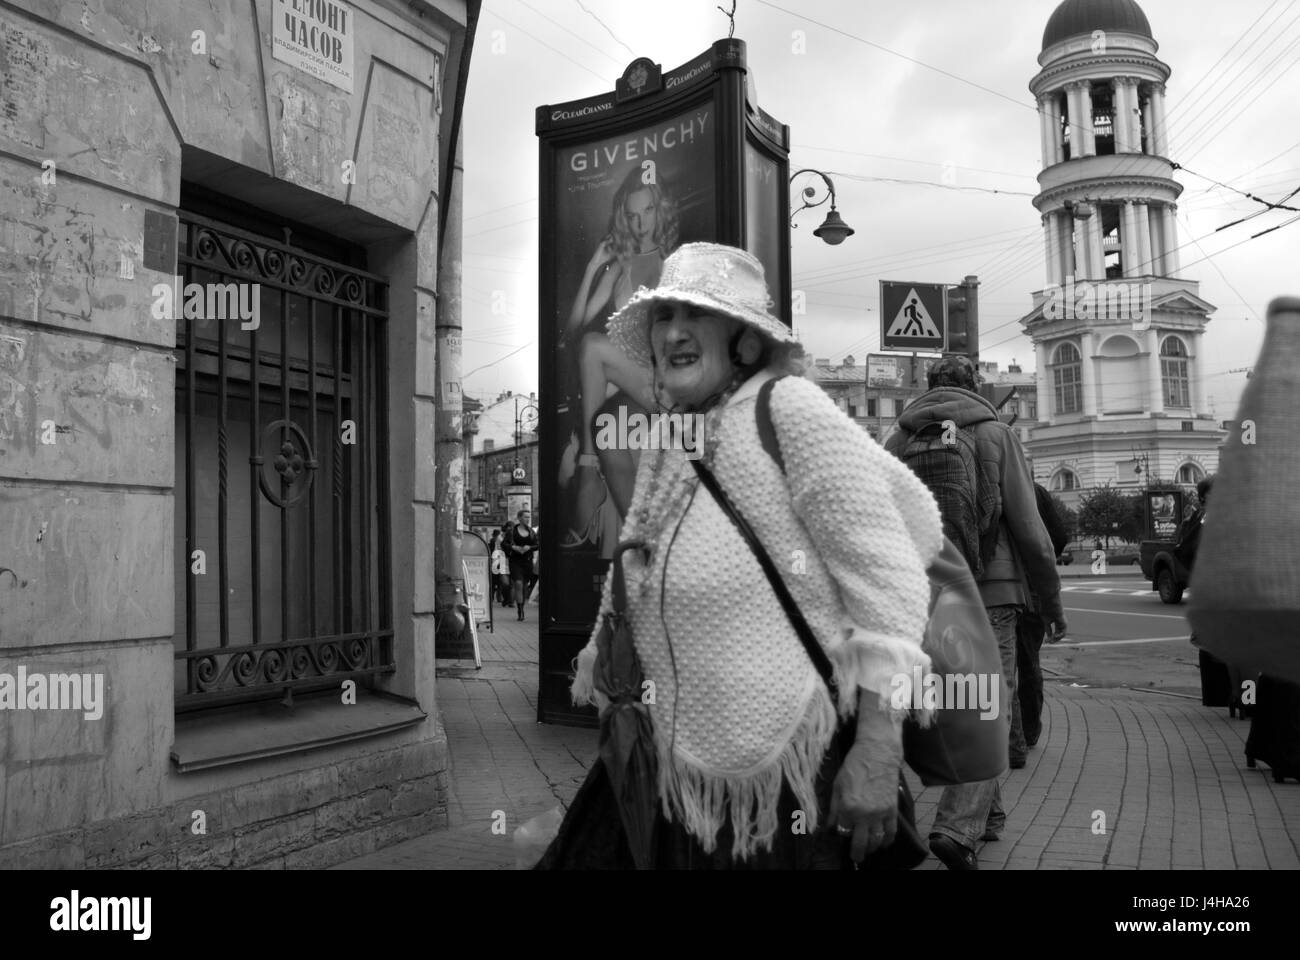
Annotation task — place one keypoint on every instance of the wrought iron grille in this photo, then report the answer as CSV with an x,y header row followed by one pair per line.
x,y
300,399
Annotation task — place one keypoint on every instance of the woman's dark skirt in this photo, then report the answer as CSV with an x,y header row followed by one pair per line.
x,y
592,838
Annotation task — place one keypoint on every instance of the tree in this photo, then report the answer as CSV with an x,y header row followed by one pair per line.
x,y
1069,518
1105,512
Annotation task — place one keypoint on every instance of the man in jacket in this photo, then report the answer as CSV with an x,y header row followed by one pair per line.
x,y
1023,562
1027,719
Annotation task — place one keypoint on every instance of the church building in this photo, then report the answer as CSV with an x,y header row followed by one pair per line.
x,y
1118,333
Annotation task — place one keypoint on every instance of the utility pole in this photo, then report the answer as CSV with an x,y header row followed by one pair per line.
x,y
449,447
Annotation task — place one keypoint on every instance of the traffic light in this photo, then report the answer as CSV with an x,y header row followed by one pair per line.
x,y
963,319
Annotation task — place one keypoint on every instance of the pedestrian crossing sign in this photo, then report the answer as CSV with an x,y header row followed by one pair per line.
x,y
913,316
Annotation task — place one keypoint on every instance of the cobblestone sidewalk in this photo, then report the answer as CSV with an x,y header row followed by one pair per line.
x,y
1168,775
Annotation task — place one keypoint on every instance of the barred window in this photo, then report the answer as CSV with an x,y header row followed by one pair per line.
x,y
1067,377
1173,373
281,446
1189,473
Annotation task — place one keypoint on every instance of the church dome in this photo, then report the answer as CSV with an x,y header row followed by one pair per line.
x,y
1081,17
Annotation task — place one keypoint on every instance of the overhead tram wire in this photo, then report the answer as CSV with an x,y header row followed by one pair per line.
x,y
606,26
1188,97
926,163
508,206
1185,104
1224,276
537,39
903,260
903,56
977,241
573,33
1185,266
1199,137
465,376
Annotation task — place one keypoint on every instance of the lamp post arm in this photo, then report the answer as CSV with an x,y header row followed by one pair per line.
x,y
809,192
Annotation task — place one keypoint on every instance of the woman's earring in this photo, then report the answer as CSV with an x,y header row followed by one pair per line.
x,y
750,347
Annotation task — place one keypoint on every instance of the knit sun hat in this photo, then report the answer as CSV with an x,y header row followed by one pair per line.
x,y
723,279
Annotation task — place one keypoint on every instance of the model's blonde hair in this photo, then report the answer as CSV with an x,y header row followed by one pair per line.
x,y
667,223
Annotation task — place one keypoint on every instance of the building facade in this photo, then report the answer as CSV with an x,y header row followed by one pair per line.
x,y
875,393
228,267
1118,335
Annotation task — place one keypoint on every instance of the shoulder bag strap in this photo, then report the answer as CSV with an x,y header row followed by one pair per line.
x,y
815,650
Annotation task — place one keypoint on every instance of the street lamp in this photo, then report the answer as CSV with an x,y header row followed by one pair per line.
x,y
833,229
521,417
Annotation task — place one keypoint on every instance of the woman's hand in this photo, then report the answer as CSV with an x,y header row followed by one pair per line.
x,y
604,252
864,798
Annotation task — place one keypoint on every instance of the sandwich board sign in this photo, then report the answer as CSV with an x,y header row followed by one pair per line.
x,y
913,316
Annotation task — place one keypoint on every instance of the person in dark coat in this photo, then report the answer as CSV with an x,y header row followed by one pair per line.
x,y
1189,533
521,544
1026,727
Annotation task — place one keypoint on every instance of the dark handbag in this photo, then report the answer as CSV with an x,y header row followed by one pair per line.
x,y
961,745
612,821
908,849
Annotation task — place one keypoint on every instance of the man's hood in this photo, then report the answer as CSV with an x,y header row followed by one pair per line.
x,y
962,407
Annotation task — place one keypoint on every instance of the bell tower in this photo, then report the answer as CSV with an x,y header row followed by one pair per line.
x,y
1116,332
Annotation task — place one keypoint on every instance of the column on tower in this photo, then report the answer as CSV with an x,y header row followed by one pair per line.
x,y
1043,376
1155,388
1072,120
1129,250
1080,217
1134,114
1051,239
1096,254
1054,118
1045,129
1130,120
1160,121
1065,243
1088,372
1089,129
1148,122
1169,221
1141,224
1082,141
1123,143
1156,238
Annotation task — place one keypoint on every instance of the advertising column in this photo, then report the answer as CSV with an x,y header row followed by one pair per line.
x,y
626,178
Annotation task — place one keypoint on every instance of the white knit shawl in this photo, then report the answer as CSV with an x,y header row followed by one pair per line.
x,y
738,706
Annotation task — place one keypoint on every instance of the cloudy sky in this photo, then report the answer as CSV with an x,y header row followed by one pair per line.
x,y
934,171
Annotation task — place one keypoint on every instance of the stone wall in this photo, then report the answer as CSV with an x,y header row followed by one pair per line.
x,y
105,109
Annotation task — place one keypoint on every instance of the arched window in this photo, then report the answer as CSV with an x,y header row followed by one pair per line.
x,y
1064,479
1190,474
1173,373
1066,377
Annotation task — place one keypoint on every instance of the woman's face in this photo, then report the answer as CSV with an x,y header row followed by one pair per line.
x,y
691,350
642,217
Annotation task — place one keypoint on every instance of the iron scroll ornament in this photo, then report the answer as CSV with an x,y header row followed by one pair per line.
x,y
289,463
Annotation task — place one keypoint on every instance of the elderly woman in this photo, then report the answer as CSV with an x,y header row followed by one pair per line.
x,y
751,772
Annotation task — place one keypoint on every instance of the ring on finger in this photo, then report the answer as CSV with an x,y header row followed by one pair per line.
x,y
844,831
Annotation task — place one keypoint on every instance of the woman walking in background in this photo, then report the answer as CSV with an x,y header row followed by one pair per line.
x,y
521,544
500,565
